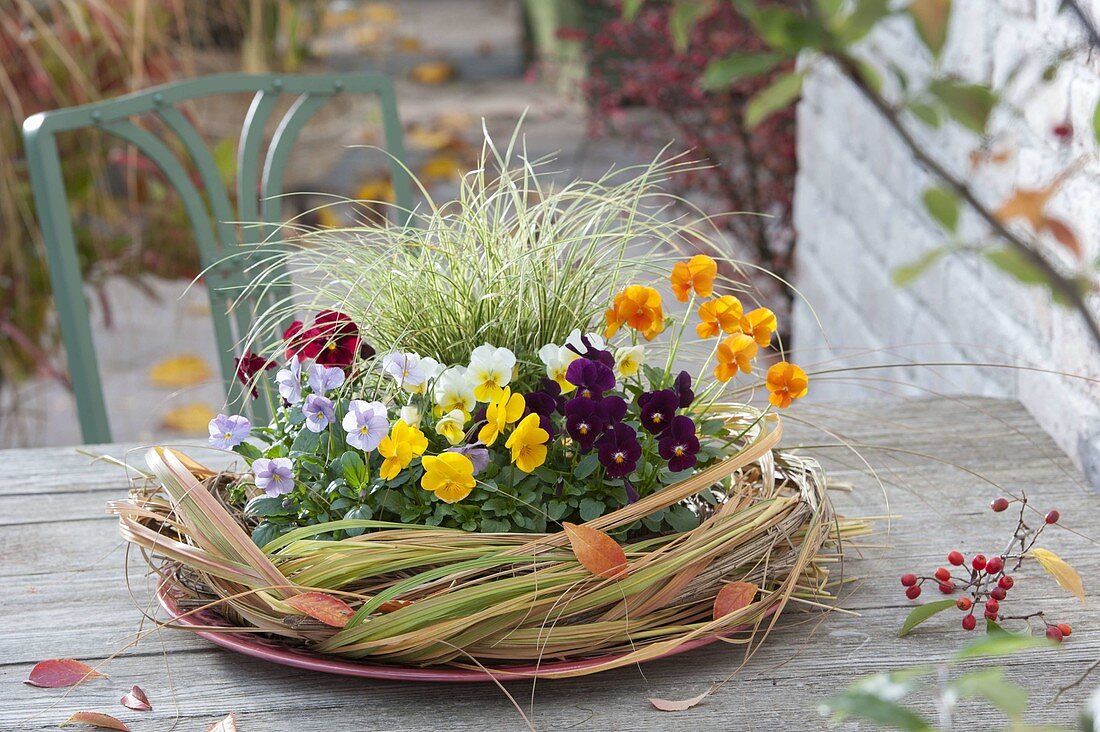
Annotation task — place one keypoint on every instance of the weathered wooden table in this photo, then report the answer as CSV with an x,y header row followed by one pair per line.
x,y
63,595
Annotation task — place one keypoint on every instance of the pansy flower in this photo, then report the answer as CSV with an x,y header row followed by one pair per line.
x,y
450,476
591,377
786,382
399,447
490,370
453,390
332,340
658,408
477,454
590,346
248,365
550,388
618,450
410,370
226,432
584,421
500,413
682,387
274,476
720,315
319,412
411,414
696,274
557,360
760,324
452,426
323,378
544,405
638,307
366,424
528,443
679,445
289,381
735,353
629,359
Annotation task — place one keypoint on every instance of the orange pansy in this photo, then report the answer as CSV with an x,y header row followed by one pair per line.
x,y
697,274
638,307
759,324
735,353
786,382
721,315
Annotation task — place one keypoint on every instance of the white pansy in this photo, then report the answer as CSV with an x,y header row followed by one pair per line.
x,y
411,415
490,371
629,359
452,426
575,341
557,360
454,390
409,370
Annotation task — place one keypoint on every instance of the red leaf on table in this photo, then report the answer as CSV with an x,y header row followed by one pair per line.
x,y
666,705
732,597
229,724
59,672
326,608
96,719
596,551
137,700
1065,236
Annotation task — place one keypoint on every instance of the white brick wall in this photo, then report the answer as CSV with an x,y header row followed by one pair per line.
x,y
859,217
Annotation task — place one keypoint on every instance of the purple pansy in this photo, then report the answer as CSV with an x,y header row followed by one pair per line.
x,y
323,378
613,409
366,424
478,455
658,409
619,450
289,381
590,352
584,421
679,444
682,387
631,491
319,412
591,378
552,389
275,476
226,432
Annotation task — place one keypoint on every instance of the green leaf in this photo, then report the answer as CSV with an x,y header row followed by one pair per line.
x,y
787,31
907,273
248,451
557,510
990,684
864,705
927,114
780,94
684,16
969,104
265,506
682,518
724,71
931,18
590,508
829,10
870,75
863,18
353,468
1017,265
265,533
1003,644
942,205
586,466
922,613
306,442
360,513
1096,123
498,526
631,8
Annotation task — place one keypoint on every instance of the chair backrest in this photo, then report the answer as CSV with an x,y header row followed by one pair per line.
x,y
209,208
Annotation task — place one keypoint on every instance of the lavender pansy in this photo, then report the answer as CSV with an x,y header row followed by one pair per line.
x,y
274,476
478,455
289,381
226,432
323,379
679,445
366,424
319,412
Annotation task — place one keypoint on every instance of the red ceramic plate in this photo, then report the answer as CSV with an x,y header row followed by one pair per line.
x,y
255,645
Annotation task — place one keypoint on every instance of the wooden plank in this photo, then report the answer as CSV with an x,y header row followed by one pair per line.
x,y
54,611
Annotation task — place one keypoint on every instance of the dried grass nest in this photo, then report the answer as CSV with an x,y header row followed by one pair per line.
x,y
425,596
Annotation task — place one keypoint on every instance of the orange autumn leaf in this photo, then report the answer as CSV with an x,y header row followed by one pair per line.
x,y
229,724
733,597
58,672
596,551
190,419
326,608
432,73
180,371
1063,234
96,719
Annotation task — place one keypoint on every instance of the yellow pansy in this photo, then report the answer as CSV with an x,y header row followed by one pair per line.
x,y
399,447
735,353
490,370
759,324
720,315
528,444
501,412
629,359
450,476
452,426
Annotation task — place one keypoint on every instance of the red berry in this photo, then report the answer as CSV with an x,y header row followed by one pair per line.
x,y
942,574
963,603
994,565
998,593
1055,634
956,558
1064,629
990,616
913,592
978,562
947,587
999,504
1052,517
1063,131
969,622
908,580
992,606
1006,582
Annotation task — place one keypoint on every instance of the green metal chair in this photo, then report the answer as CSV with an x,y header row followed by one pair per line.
x,y
225,249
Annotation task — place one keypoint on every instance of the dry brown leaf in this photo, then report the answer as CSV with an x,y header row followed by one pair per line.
x,y
432,73
229,724
326,608
58,672
96,719
596,551
136,700
666,705
383,13
189,419
375,189
1063,234
427,138
409,44
1065,575
732,597
180,371
442,167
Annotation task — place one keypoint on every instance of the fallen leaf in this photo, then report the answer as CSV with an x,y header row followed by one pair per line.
x,y
596,551
383,13
375,189
442,167
1063,574
732,597
931,18
1063,234
229,724
189,418
454,120
196,469
59,672
180,371
432,73
409,44
426,138
137,700
665,705
326,608
96,719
